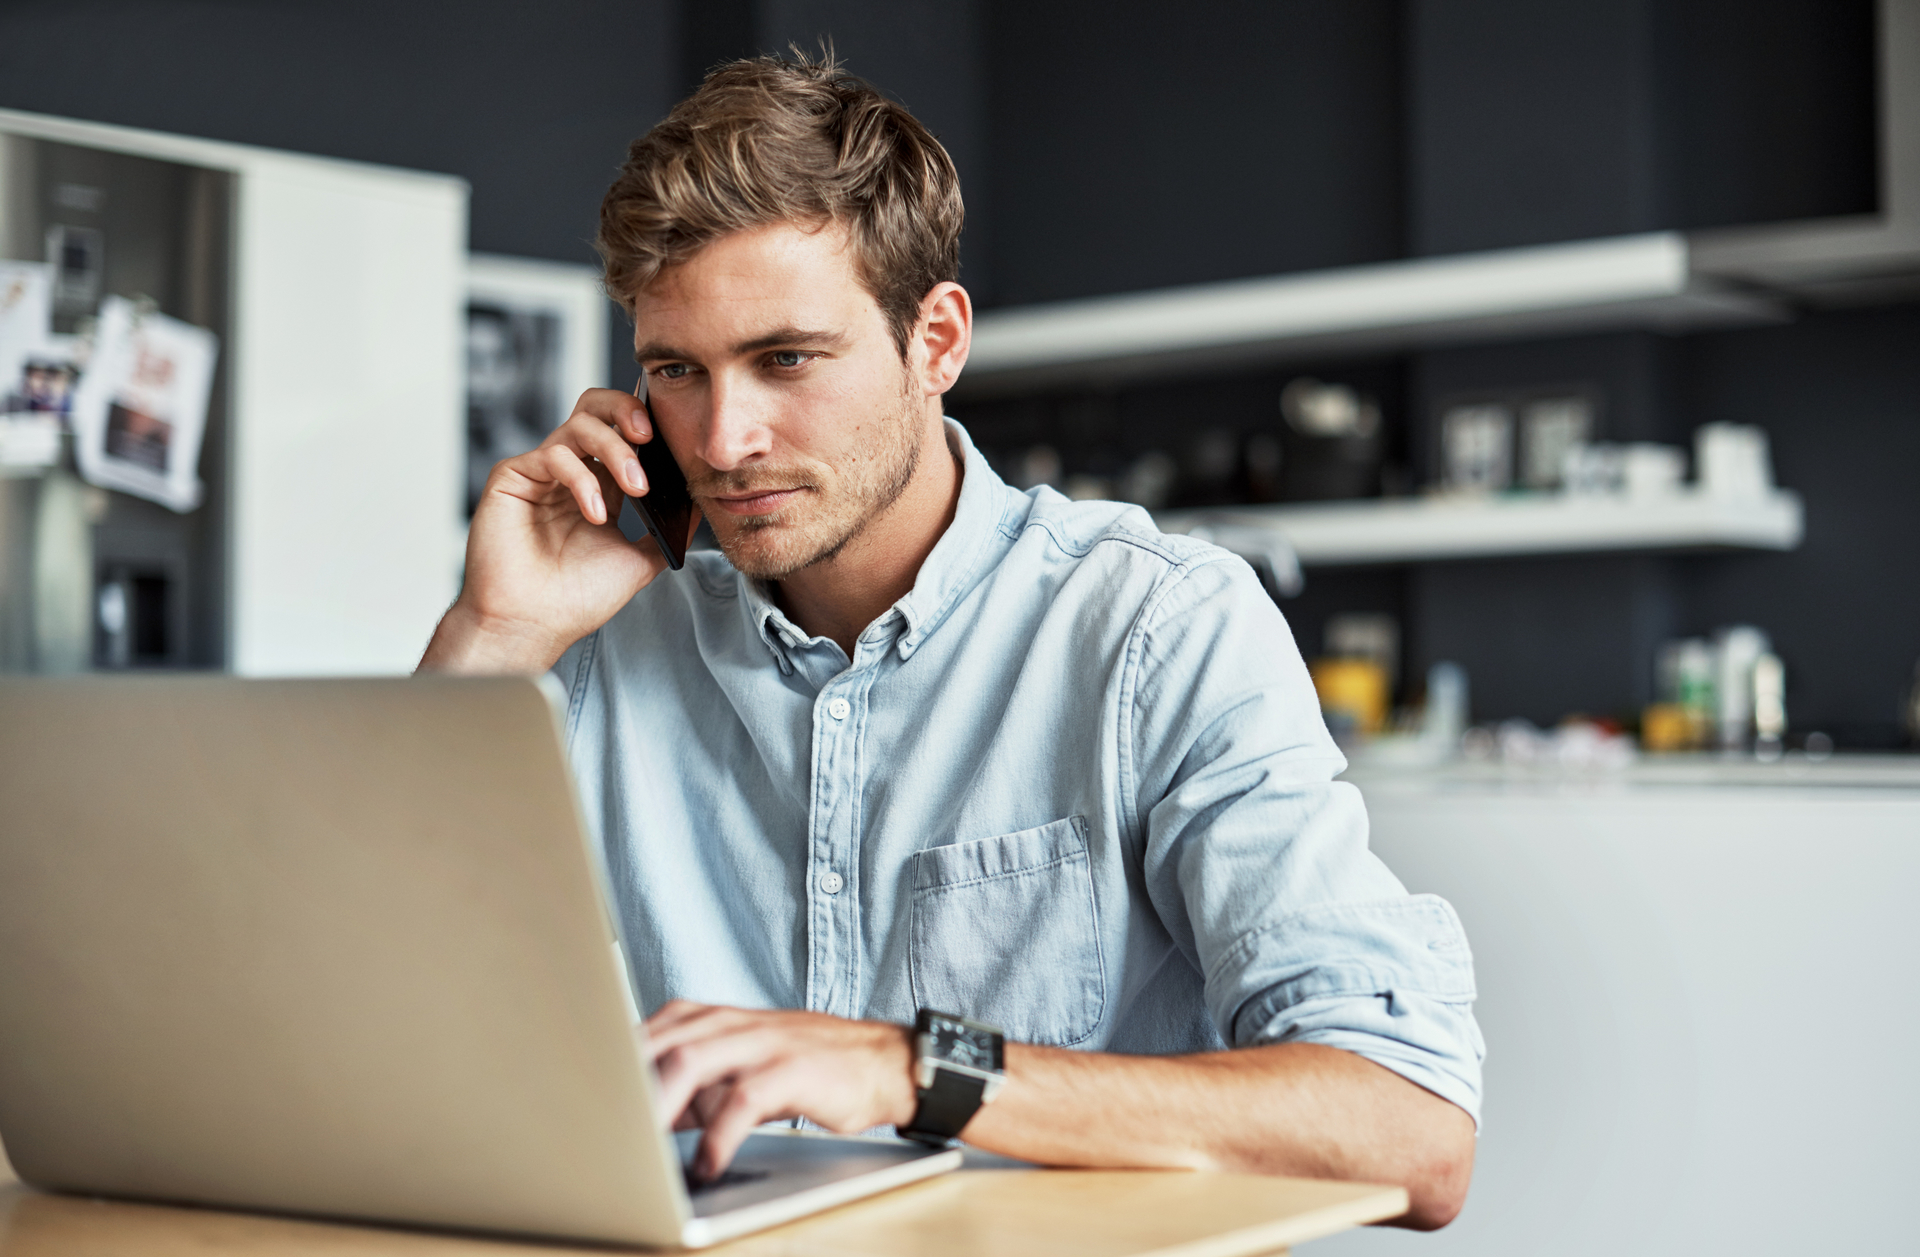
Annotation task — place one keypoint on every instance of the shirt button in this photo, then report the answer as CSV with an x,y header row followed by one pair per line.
x,y
839,709
832,883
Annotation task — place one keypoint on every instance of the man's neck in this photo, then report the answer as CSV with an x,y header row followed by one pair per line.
x,y
838,597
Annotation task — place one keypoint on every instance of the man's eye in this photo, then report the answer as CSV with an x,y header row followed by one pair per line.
x,y
789,357
673,371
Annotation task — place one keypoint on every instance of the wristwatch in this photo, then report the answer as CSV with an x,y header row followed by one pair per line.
x,y
958,1065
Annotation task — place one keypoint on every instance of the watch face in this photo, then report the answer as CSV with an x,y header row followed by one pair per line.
x,y
962,1042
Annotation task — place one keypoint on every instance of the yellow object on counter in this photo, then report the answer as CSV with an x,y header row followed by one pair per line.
x,y
1667,727
1353,694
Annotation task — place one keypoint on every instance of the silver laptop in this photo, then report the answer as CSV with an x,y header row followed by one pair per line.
x,y
340,947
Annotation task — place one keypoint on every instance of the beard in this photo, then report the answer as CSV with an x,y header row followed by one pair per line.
x,y
837,505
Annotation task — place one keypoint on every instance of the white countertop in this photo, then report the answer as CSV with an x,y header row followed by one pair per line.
x,y
1852,773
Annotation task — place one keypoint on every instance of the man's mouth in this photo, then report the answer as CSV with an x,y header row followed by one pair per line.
x,y
755,502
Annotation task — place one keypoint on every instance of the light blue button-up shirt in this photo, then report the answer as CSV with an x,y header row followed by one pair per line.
x,y
1074,784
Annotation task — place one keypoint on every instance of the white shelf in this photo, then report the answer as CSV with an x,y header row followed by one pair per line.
x,y
1627,281
1419,529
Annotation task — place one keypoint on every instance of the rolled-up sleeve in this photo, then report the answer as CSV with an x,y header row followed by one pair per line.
x,y
1256,858
1391,980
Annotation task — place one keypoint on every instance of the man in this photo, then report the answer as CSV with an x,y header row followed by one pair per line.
x,y
913,740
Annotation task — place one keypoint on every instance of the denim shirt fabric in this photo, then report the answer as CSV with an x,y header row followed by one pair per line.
x,y
1074,784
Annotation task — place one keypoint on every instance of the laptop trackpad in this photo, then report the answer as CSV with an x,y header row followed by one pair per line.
x,y
771,1165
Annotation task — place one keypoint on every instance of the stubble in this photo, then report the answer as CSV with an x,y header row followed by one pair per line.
x,y
840,505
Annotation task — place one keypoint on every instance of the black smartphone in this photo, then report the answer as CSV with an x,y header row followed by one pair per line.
x,y
666,507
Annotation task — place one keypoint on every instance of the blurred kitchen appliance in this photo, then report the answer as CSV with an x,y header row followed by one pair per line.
x,y
1331,445
1476,443
1550,428
1492,440
111,222
338,293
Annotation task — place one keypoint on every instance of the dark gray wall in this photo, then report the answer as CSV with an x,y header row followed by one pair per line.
x,y
531,104
1141,145
1545,638
1764,111
1530,122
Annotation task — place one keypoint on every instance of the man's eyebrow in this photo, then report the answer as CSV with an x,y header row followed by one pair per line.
x,y
656,351
778,337
791,336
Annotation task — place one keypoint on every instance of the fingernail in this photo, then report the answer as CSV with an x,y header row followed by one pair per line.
x,y
635,476
599,505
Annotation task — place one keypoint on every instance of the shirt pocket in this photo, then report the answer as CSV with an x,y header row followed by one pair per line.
x,y
1006,931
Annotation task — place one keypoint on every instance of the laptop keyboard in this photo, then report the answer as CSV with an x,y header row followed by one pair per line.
x,y
729,1177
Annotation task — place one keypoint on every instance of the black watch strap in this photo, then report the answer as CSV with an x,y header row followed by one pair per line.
x,y
945,1107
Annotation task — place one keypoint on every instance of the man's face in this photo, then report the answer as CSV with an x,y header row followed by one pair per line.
x,y
774,379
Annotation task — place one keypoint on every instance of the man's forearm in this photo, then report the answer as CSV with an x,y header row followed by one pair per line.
x,y
468,644
1294,1108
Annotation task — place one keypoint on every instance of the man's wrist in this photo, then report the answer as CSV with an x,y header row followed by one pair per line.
x,y
903,1094
471,643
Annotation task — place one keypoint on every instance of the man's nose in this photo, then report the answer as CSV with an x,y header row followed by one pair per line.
x,y
737,429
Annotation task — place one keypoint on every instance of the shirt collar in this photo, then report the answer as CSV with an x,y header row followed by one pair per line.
x,y
965,551
954,566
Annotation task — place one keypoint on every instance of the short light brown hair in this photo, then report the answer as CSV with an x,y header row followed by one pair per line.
x,y
770,140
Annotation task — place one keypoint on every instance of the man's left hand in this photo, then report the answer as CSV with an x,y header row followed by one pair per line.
x,y
726,1070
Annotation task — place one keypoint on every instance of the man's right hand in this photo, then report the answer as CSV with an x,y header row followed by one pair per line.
x,y
546,561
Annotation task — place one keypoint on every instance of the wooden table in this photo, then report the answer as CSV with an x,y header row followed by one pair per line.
x,y
1005,1213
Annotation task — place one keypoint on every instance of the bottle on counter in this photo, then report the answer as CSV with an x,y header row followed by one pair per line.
x,y
1682,716
1769,706
1738,648
1728,693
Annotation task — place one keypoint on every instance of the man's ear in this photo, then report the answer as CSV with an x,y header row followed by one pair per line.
x,y
945,333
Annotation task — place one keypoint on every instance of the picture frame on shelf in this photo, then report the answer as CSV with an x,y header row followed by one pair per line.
x,y
536,338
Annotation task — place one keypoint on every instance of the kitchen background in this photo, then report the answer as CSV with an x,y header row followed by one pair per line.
x,y
1106,147
1674,953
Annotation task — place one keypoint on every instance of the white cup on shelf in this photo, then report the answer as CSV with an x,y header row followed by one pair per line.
x,y
1652,471
1734,463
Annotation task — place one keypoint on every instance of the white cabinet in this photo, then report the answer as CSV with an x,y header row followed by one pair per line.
x,y
1697,1005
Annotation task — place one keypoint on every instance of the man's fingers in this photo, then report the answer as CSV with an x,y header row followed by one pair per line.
x,y
590,438
638,424
762,1095
672,1013
621,410
729,1069
564,466
689,1068
673,1026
